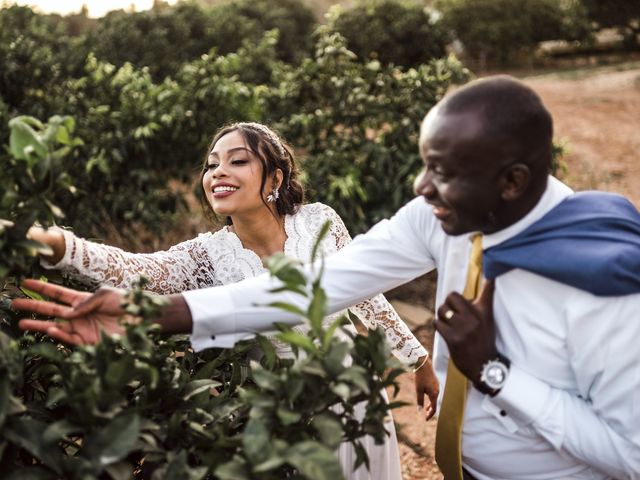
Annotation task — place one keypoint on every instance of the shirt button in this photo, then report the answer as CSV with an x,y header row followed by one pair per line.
x,y
503,413
213,337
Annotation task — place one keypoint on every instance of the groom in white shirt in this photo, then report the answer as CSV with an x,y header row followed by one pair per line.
x,y
553,369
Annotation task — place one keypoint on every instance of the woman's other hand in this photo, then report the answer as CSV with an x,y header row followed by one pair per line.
x,y
51,237
427,385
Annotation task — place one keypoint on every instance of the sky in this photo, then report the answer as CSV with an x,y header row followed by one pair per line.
x,y
97,8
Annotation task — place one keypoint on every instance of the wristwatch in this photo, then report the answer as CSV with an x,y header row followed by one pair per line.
x,y
493,375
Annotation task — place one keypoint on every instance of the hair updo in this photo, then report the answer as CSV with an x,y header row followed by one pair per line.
x,y
274,154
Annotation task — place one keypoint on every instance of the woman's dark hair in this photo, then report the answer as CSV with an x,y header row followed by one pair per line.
x,y
274,154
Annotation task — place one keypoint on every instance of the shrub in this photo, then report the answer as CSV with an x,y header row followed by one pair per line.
x,y
500,30
400,32
358,125
144,405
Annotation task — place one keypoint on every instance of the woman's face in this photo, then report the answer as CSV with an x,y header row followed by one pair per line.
x,y
232,178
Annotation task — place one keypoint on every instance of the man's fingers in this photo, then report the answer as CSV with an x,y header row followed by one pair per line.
x,y
485,299
43,308
65,337
56,292
36,325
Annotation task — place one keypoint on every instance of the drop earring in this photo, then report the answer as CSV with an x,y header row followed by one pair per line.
x,y
273,196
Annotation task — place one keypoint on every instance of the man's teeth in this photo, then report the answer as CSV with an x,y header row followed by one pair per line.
x,y
224,189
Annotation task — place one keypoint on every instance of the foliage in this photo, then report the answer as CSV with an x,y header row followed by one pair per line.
x,y
499,30
34,54
37,167
621,14
146,406
160,39
401,32
358,124
240,21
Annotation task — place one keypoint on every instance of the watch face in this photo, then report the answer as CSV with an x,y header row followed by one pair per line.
x,y
494,374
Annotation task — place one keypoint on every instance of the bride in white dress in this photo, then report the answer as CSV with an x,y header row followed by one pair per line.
x,y
250,177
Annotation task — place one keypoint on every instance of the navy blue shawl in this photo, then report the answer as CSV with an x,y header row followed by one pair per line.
x,y
590,240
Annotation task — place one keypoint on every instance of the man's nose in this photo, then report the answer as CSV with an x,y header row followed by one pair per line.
x,y
423,184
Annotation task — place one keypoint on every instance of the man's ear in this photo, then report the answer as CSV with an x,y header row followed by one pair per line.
x,y
514,181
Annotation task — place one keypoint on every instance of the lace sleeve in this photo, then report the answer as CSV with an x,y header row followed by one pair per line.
x,y
183,267
377,311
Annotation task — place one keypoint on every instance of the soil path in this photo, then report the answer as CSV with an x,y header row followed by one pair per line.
x,y
597,113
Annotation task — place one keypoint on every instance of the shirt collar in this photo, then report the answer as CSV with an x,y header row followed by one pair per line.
x,y
555,192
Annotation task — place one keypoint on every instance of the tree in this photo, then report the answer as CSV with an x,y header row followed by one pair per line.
x,y
621,14
500,30
247,20
161,39
400,32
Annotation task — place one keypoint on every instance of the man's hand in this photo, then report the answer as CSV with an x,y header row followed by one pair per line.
x,y
88,314
469,330
427,385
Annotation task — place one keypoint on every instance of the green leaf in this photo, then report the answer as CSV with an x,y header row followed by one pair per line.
x,y
198,386
114,441
287,307
298,339
329,428
287,417
236,469
5,393
58,430
31,473
120,471
256,441
315,461
24,141
321,235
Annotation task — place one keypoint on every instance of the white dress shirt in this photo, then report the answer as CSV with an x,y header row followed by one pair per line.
x,y
570,408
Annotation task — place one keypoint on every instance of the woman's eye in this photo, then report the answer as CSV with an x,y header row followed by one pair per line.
x,y
240,161
211,166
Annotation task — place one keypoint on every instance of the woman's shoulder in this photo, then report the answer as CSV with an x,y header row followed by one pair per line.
x,y
313,210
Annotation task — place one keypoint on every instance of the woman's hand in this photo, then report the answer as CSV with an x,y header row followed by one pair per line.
x,y
426,385
88,314
51,237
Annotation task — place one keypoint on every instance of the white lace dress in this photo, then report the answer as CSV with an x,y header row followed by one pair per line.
x,y
219,258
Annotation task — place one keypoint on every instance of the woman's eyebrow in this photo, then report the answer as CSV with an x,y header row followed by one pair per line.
x,y
231,150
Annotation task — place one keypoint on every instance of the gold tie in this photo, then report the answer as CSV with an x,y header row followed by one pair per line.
x,y
449,429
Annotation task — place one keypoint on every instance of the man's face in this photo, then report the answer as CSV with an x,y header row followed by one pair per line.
x,y
462,172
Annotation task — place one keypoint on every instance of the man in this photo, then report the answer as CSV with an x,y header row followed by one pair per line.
x,y
553,368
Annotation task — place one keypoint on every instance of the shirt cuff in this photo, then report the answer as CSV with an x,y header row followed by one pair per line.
x,y
206,326
520,402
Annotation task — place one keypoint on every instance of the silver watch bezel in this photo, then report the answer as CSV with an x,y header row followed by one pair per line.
x,y
490,372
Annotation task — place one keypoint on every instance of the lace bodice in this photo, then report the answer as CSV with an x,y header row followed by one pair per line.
x,y
219,258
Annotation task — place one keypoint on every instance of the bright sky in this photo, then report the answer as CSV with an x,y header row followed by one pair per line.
x,y
97,8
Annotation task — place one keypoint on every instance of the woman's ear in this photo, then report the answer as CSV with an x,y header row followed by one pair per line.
x,y
514,181
277,179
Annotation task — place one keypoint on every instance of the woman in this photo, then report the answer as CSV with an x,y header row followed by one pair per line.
x,y
250,177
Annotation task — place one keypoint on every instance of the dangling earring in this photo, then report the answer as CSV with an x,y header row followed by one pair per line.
x,y
273,196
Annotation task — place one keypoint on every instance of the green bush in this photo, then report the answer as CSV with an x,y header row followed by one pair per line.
x,y
238,21
621,14
401,32
499,31
160,39
144,405
358,125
